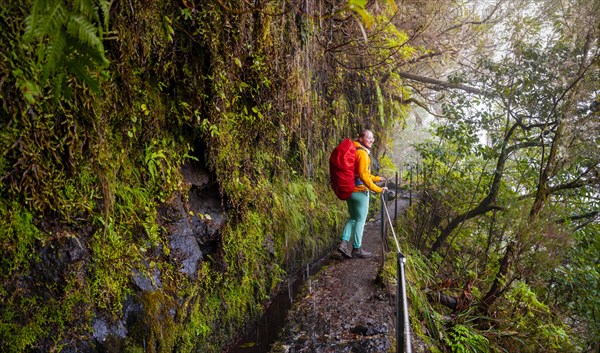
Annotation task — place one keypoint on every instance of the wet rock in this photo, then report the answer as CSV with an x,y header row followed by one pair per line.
x,y
185,250
206,217
76,250
204,230
184,246
194,220
371,345
54,264
379,296
103,330
53,261
144,283
195,173
133,312
369,330
206,202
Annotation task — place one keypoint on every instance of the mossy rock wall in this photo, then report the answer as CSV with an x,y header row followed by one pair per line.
x,y
154,202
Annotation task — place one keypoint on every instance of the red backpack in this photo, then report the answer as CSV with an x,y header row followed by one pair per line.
x,y
341,169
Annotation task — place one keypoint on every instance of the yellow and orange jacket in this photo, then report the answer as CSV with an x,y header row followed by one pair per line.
x,y
363,179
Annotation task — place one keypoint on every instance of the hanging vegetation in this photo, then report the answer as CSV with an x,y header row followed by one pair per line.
x,y
163,163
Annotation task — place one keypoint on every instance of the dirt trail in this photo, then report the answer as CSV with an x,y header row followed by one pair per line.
x,y
343,308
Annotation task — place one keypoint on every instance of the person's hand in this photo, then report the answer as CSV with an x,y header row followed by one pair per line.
x,y
384,189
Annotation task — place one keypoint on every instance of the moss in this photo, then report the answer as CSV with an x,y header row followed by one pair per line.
x,y
113,258
93,167
158,318
233,293
18,237
32,316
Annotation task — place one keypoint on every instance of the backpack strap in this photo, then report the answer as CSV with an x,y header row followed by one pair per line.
x,y
357,180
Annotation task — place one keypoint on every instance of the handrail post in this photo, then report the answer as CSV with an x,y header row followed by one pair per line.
x,y
384,247
403,344
383,198
396,199
410,188
417,176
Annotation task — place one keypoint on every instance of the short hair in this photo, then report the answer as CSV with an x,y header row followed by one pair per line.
x,y
363,132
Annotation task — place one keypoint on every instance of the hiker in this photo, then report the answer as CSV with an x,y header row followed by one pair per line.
x,y
358,203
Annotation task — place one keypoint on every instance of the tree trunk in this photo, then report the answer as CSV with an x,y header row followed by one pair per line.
x,y
496,289
543,189
485,205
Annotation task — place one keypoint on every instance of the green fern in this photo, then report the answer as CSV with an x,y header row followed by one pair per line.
x,y
68,38
464,339
44,18
87,9
80,28
55,52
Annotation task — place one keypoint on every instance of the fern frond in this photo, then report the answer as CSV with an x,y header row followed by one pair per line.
x,y
55,53
89,57
30,25
81,71
51,23
84,31
75,47
69,39
104,6
86,8
31,22
59,86
85,40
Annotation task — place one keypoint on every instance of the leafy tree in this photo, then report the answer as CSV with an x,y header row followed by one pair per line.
x,y
515,175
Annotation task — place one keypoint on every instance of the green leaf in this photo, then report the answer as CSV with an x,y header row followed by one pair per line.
x,y
55,53
358,6
81,29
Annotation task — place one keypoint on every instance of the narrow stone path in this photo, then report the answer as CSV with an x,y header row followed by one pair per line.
x,y
343,308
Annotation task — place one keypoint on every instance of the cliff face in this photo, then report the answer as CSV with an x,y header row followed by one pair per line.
x,y
164,164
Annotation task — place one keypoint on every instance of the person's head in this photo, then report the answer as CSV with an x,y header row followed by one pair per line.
x,y
365,137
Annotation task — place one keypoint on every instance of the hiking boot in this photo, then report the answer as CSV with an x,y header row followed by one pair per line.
x,y
360,253
344,248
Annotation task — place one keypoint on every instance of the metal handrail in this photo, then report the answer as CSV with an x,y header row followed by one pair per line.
x,y
403,342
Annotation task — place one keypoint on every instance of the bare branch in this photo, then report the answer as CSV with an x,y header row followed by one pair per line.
x,y
589,217
439,85
484,21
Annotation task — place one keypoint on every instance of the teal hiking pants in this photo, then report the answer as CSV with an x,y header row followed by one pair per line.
x,y
358,207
